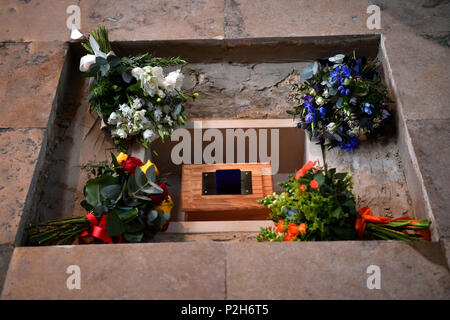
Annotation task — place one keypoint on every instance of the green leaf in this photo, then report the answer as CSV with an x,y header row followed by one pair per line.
x,y
114,225
340,175
319,177
127,77
337,213
152,215
93,186
113,60
132,186
151,174
111,192
139,177
128,215
134,237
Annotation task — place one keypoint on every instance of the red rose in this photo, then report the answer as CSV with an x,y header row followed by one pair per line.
x,y
130,164
158,198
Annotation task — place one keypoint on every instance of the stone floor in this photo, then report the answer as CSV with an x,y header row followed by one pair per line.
x,y
416,41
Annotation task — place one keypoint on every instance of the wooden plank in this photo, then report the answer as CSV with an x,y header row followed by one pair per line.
x,y
217,226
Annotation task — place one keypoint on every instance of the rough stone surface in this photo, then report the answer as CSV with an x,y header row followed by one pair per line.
x,y
241,90
46,20
128,271
378,177
431,140
30,74
19,149
335,270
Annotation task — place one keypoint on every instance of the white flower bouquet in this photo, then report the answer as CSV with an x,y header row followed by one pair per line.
x,y
134,98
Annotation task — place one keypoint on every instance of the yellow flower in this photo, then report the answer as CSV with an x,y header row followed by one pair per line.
x,y
148,165
121,157
165,206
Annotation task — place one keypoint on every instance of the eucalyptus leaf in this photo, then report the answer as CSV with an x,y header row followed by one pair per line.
x,y
139,177
152,215
128,215
93,186
133,237
127,77
306,73
111,192
151,174
114,225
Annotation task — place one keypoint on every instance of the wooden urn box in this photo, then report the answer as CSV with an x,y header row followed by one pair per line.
x,y
225,191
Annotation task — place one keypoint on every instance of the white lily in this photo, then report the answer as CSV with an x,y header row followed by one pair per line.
x,y
86,62
75,34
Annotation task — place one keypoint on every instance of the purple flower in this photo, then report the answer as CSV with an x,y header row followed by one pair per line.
x,y
339,74
353,142
310,117
368,108
322,112
343,90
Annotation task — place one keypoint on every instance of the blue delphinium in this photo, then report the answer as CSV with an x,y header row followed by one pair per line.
x,y
353,143
310,117
322,112
344,90
340,73
368,108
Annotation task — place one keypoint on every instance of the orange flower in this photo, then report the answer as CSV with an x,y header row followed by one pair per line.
x,y
280,226
302,188
304,170
309,165
288,237
314,184
302,228
293,230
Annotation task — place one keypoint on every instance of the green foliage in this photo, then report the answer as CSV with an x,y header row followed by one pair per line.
x,y
114,85
328,212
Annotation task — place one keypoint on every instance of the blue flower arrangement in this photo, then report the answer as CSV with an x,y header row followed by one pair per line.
x,y
341,101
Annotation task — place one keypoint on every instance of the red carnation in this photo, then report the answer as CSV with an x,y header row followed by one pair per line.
x,y
158,198
130,164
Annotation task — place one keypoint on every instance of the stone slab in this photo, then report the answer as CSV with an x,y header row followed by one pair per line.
x,y
6,252
415,38
19,151
30,74
46,20
431,141
121,271
335,270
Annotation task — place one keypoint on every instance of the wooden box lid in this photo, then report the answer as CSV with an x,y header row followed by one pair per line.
x,y
225,207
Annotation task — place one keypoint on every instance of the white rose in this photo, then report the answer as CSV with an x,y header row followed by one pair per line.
x,y
137,72
86,62
174,80
325,93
